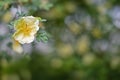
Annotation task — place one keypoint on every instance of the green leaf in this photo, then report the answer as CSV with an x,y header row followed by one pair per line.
x,y
21,14
42,36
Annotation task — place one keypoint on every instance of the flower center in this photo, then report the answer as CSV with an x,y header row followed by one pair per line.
x,y
26,30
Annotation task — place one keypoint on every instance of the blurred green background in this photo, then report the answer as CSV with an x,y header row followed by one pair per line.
x,y
84,42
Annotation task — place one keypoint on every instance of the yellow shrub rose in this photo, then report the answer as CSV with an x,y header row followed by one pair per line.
x,y
25,29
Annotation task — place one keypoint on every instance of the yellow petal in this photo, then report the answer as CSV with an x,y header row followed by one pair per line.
x,y
17,47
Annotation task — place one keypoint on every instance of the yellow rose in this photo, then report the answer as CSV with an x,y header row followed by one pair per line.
x,y
25,29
